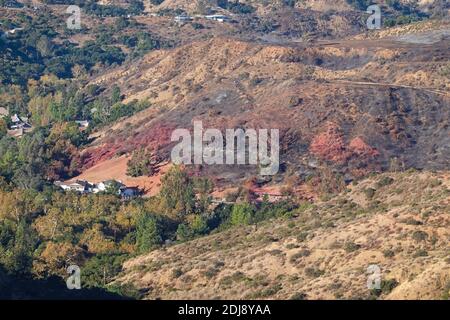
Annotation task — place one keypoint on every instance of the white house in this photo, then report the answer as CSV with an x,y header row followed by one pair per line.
x,y
87,187
81,186
77,186
218,17
62,185
19,122
104,185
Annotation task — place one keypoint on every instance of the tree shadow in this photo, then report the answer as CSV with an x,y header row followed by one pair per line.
x,y
13,287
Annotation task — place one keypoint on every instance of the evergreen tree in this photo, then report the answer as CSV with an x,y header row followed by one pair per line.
x,y
241,214
177,192
148,233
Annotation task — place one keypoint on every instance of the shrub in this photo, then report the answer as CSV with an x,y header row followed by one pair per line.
x,y
435,183
420,253
388,285
176,273
302,236
445,70
412,222
270,291
370,193
385,181
294,102
388,253
235,277
360,4
299,296
197,26
313,272
211,273
419,236
446,292
351,247
256,81
300,254
240,8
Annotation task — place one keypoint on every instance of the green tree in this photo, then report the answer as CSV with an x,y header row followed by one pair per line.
x,y
18,258
45,46
177,192
203,188
148,233
115,95
242,214
113,188
183,232
199,225
142,163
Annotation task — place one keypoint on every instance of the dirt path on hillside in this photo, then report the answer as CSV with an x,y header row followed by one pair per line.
x,y
380,84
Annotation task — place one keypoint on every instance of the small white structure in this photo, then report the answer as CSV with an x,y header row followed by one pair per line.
x,y
77,186
62,185
218,17
13,31
104,185
183,18
82,124
19,122
82,186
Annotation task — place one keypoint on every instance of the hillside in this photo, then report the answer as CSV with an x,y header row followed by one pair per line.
x,y
87,180
321,252
327,93
354,99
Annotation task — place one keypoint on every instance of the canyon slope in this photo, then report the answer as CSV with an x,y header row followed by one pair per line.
x,y
322,251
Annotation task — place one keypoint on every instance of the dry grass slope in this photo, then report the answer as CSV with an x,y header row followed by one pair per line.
x,y
399,221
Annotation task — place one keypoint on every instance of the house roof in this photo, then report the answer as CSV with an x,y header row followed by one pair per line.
x,y
18,119
76,184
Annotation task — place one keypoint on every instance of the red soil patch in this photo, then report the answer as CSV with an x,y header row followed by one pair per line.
x,y
330,146
359,147
154,138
